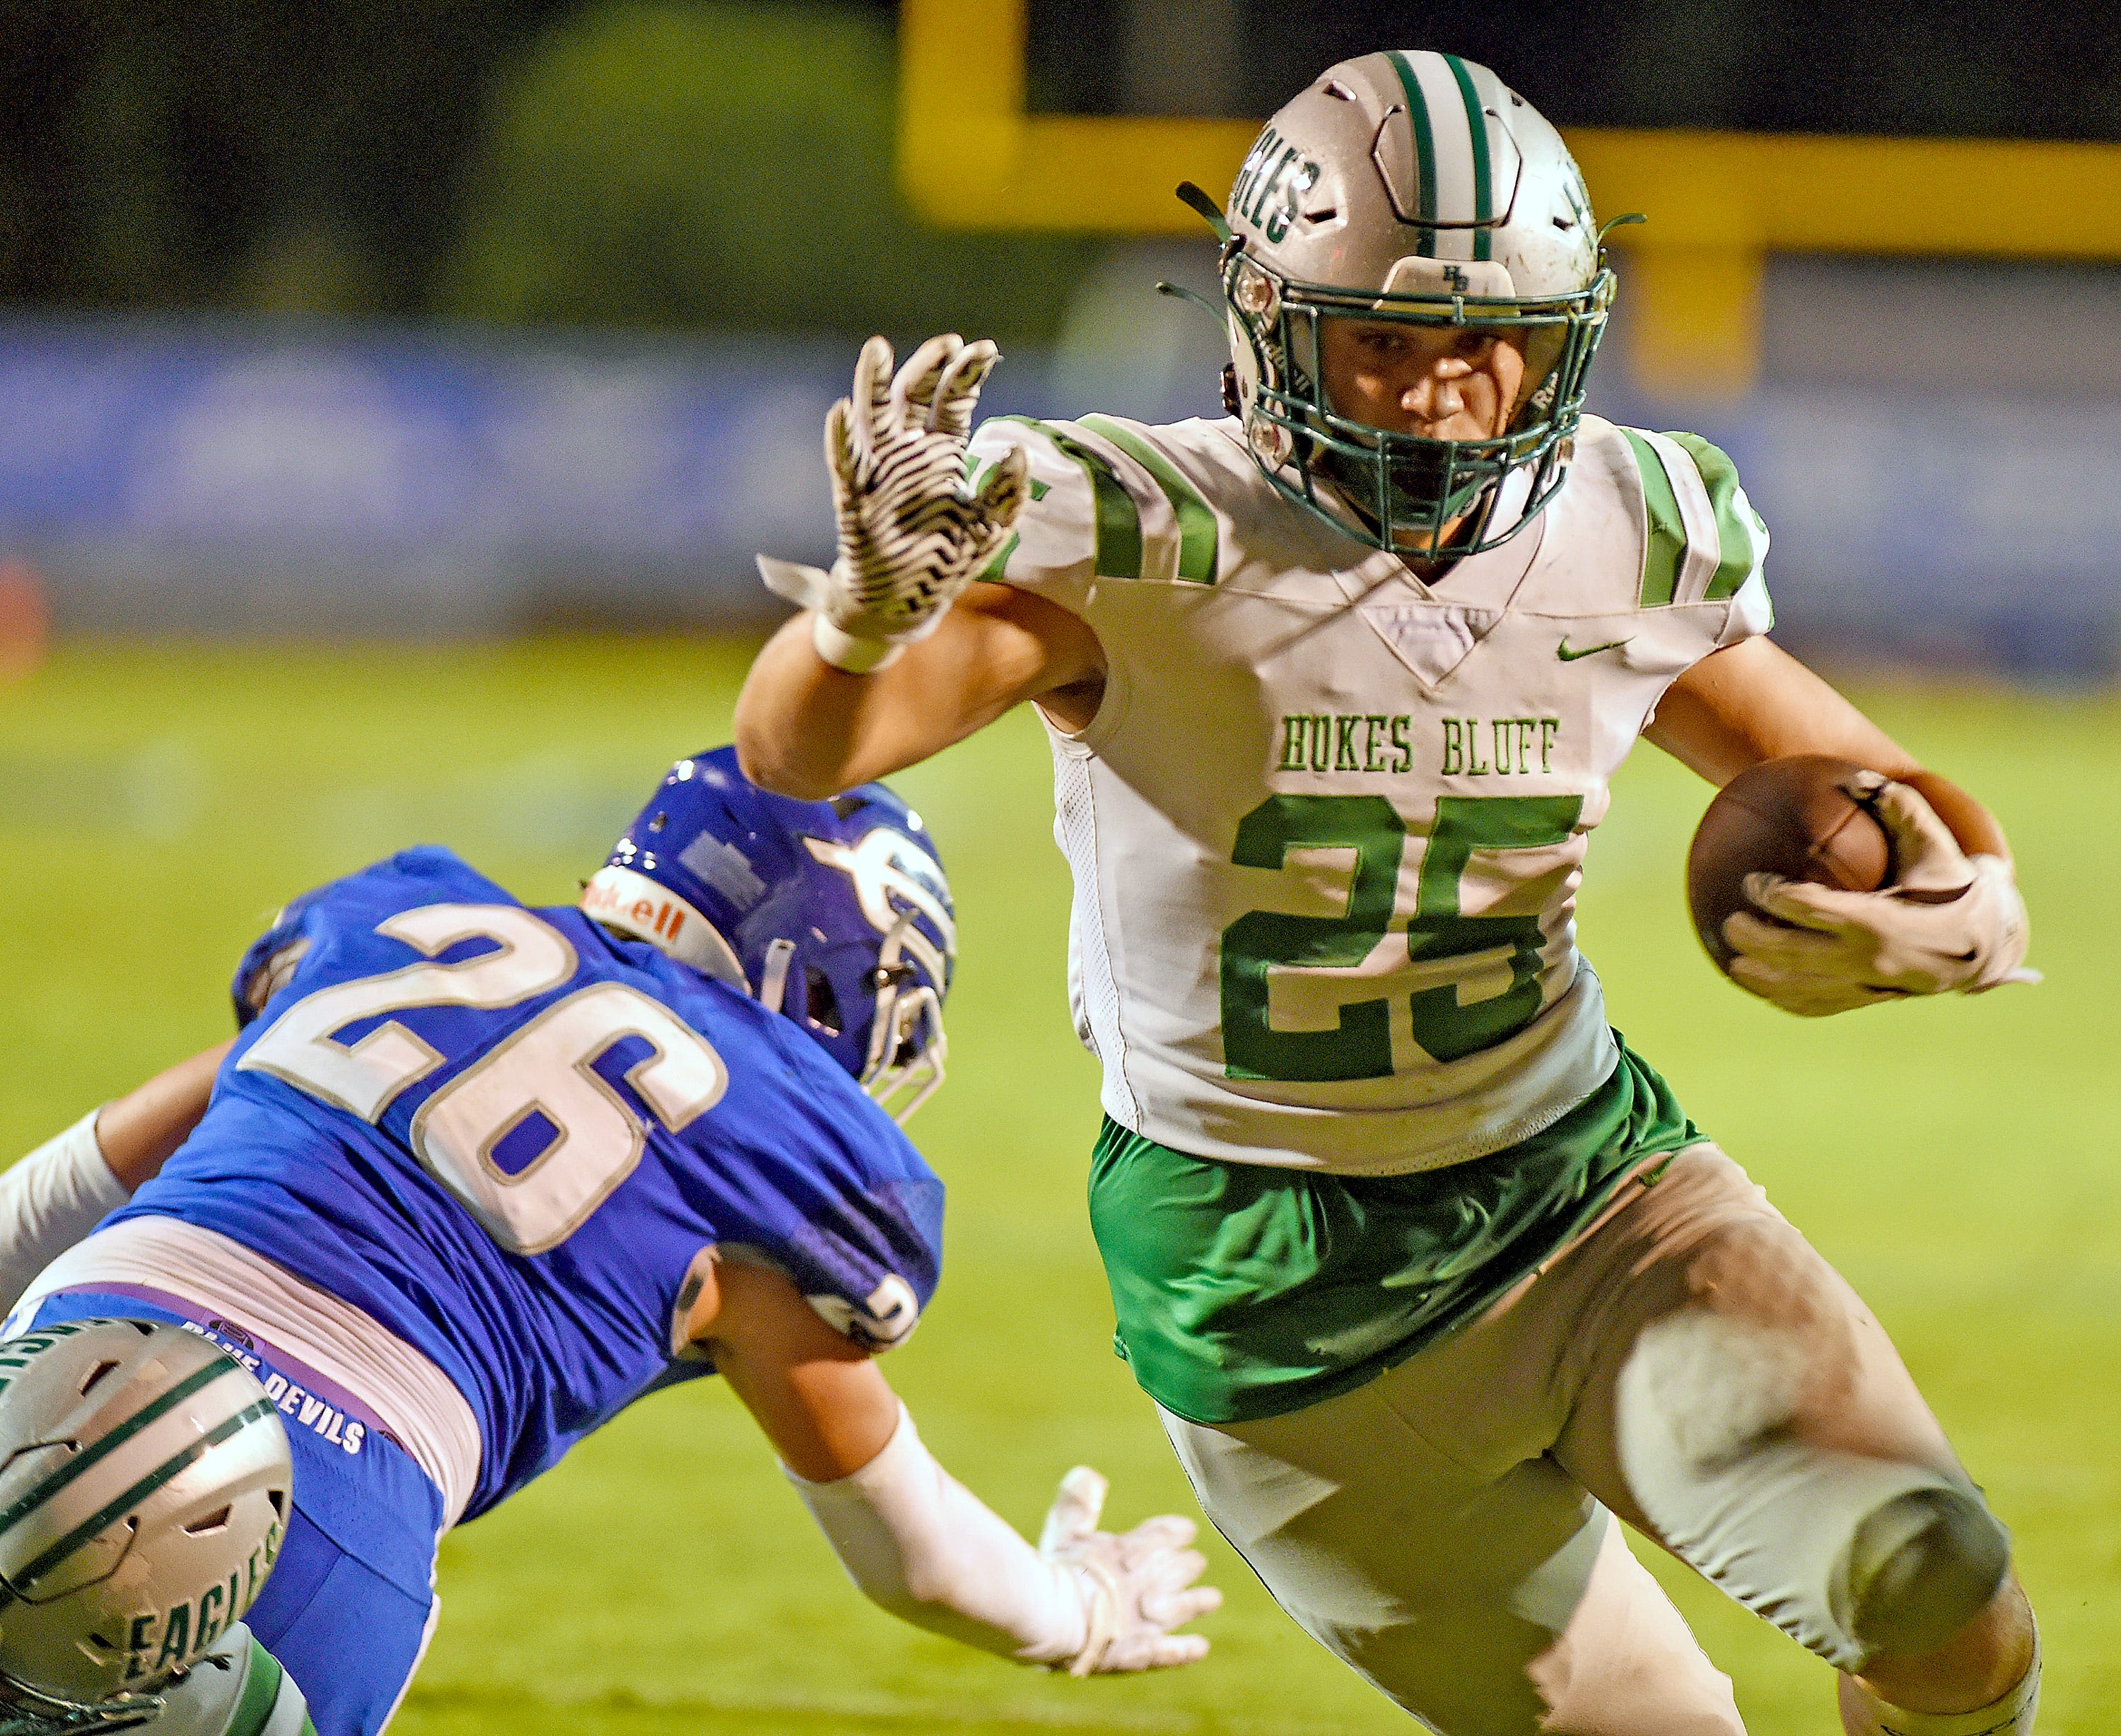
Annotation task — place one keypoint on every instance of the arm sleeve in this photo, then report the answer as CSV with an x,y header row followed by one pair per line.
x,y
51,1200
919,1544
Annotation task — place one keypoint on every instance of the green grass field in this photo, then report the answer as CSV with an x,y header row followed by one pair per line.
x,y
1959,1162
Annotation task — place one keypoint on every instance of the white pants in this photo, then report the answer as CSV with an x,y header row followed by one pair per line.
x,y
1691,1364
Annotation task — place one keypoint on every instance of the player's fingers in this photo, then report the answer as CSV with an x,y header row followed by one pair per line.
x,y
1171,1651
1762,937
1175,1609
2023,974
957,392
1926,857
872,394
1802,992
1073,1514
1171,1574
1003,489
1827,909
913,390
839,441
1166,1531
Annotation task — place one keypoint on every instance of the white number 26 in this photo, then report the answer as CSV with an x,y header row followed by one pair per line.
x,y
545,1070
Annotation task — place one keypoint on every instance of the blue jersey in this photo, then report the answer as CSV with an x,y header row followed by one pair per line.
x,y
507,1135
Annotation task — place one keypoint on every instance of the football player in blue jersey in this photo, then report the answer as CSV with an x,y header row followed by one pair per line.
x,y
474,1177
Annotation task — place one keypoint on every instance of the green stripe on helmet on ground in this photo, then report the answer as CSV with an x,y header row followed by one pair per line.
x,y
1664,541
1118,519
1424,148
1738,528
164,1472
1476,127
1198,533
89,1457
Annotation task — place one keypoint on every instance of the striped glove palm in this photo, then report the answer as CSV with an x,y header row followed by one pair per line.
x,y
912,535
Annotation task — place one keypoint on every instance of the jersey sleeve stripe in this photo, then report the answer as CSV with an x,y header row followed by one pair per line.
x,y
978,464
991,573
1696,512
1741,539
1198,533
1118,518
1664,540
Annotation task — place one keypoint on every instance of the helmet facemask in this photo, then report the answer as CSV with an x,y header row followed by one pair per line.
x,y
834,914
906,1045
1404,491
25,1711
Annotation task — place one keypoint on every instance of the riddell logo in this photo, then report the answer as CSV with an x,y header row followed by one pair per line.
x,y
632,904
636,905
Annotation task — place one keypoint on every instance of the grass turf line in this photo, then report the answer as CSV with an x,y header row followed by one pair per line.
x,y
156,803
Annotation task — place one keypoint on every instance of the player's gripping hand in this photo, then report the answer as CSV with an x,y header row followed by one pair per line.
x,y
1137,1586
1948,921
911,533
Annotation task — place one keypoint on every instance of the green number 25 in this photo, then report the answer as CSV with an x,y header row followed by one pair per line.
x,y
1360,1047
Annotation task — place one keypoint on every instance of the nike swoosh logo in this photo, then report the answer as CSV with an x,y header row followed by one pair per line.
x,y
1567,656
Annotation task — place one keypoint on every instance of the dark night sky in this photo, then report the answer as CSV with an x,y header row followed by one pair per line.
x,y
1978,69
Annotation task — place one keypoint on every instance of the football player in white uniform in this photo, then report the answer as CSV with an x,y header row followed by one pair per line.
x,y
1428,1273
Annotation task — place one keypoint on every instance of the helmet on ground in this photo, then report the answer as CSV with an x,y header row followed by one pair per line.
x,y
835,914
1417,189
145,1483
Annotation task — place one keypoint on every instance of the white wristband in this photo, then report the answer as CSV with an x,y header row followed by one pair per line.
x,y
922,1546
50,1201
844,651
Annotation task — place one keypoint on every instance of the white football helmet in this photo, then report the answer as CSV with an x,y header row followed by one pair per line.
x,y
1412,187
145,1483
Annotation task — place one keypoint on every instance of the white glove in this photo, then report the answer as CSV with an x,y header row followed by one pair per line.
x,y
912,536
1137,1585
1948,921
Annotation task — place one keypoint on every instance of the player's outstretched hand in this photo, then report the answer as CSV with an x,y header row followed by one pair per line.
x,y
911,533
1137,1585
1948,921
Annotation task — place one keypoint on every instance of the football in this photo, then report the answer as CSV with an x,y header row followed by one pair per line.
x,y
1801,817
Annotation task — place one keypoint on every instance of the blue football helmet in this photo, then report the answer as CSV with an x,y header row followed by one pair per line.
x,y
835,914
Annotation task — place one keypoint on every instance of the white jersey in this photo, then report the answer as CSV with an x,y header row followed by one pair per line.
x,y
1327,824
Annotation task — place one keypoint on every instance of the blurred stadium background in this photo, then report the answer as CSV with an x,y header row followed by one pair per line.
x,y
393,394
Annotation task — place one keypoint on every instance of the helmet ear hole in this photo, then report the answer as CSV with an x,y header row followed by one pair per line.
x,y
820,1005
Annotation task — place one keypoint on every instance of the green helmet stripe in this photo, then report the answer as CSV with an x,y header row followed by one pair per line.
x,y
1198,533
86,1460
164,1472
1424,146
1739,532
1664,543
1483,197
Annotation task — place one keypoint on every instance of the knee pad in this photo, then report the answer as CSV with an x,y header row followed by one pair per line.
x,y
1849,1555
1920,1568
